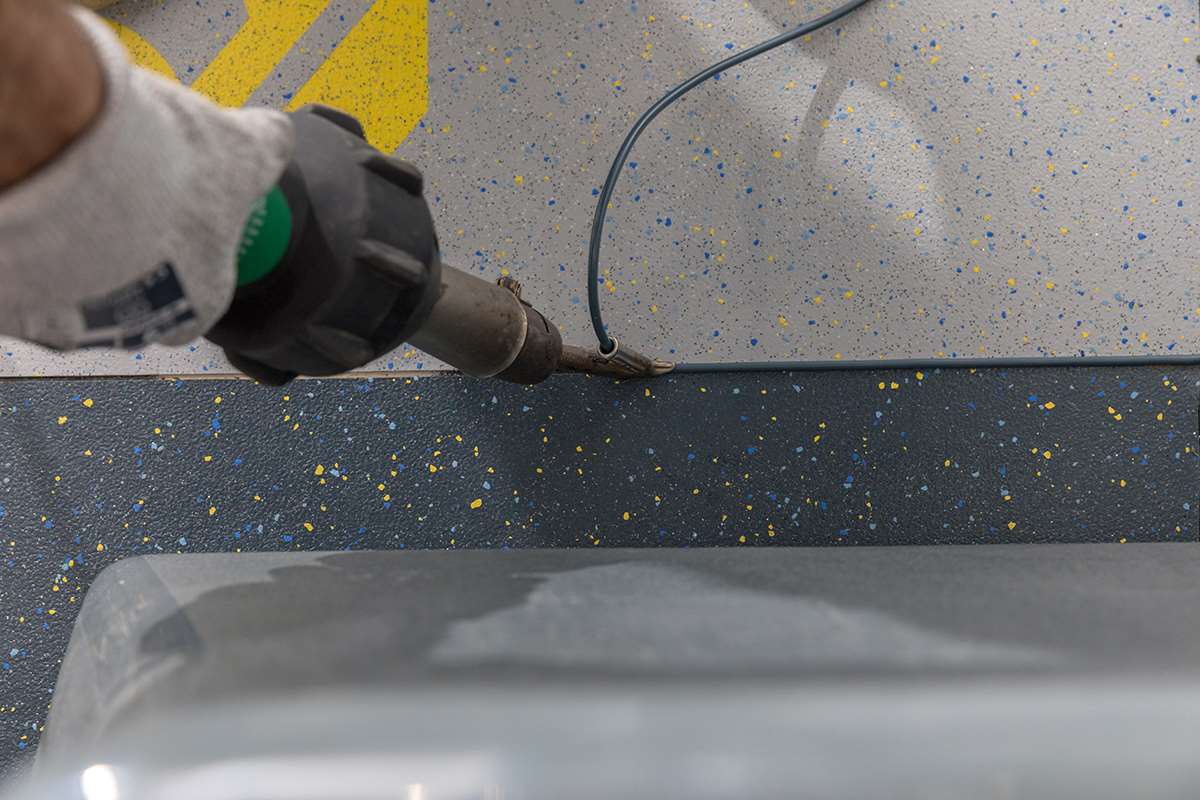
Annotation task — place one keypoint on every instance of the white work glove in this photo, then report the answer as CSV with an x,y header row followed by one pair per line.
x,y
131,235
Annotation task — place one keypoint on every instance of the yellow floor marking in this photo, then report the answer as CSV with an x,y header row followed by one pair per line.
x,y
141,51
272,29
379,72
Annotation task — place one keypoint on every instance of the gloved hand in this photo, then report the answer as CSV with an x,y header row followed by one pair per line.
x,y
131,235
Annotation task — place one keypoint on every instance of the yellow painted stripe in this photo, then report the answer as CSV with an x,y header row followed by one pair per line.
x,y
379,72
141,51
272,28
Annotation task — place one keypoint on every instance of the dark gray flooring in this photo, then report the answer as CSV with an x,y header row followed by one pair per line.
x,y
97,470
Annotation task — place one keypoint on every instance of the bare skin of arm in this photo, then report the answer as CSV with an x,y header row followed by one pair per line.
x,y
51,85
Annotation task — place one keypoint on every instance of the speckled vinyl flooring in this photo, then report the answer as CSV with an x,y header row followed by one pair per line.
x,y
98,470
925,178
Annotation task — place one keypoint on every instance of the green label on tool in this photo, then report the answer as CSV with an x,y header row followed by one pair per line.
x,y
265,239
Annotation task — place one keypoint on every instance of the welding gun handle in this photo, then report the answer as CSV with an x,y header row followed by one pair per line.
x,y
339,264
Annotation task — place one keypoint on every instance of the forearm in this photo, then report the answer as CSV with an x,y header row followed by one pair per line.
x,y
51,85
